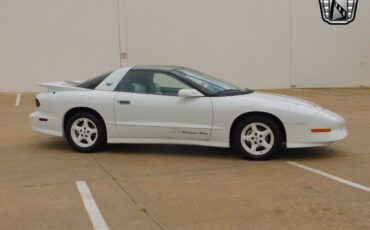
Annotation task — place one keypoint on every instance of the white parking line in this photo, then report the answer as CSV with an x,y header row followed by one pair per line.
x,y
91,207
18,100
338,179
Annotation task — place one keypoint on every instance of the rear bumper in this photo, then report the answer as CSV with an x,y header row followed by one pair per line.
x,y
53,125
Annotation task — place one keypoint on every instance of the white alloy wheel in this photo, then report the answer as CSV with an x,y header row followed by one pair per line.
x,y
257,138
84,132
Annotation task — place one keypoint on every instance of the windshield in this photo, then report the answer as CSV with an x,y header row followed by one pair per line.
x,y
210,83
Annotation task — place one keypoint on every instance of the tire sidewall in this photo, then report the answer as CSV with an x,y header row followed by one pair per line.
x,y
275,149
101,138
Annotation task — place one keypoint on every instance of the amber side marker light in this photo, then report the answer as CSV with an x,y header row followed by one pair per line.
x,y
320,130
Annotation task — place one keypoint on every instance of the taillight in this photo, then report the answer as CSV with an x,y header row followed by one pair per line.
x,y
37,102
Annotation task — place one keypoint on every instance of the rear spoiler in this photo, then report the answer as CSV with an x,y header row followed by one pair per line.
x,y
62,86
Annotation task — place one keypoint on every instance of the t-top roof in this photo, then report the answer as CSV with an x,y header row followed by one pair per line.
x,y
156,67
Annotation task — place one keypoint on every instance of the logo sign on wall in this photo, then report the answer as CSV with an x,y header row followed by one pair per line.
x,y
338,12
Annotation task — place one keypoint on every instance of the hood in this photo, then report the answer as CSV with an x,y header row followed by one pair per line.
x,y
287,109
287,99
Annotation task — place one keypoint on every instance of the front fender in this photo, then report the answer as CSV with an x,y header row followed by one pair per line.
x,y
287,110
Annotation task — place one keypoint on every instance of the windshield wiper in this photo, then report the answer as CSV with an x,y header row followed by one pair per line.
x,y
246,91
230,92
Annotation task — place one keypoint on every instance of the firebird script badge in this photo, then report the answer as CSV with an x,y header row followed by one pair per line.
x,y
338,12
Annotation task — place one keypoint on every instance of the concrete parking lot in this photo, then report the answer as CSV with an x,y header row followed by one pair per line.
x,y
185,187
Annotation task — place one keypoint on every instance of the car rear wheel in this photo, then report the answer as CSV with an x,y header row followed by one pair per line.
x,y
257,138
85,132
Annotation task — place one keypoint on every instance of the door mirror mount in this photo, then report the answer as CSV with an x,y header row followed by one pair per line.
x,y
189,93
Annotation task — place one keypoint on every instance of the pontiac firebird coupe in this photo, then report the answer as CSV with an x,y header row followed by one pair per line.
x,y
177,105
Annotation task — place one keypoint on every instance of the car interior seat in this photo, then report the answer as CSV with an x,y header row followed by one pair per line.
x,y
138,87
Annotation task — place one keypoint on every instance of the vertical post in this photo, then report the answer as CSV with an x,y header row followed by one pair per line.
x,y
119,34
292,61
123,52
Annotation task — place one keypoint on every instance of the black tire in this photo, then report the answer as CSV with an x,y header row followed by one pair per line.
x,y
100,138
270,123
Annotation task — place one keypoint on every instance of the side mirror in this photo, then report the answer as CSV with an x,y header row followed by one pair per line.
x,y
189,93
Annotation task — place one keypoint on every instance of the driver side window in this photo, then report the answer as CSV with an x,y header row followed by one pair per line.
x,y
168,85
151,82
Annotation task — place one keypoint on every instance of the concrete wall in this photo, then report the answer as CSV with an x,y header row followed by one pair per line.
x,y
43,40
256,43
235,40
330,56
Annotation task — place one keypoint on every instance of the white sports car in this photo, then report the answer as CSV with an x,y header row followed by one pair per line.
x,y
177,105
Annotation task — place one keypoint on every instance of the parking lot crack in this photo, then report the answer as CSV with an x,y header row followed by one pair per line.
x,y
122,188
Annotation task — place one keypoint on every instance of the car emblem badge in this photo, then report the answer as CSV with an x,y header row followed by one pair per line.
x,y
338,12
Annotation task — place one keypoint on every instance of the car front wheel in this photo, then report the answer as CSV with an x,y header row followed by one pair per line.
x,y
257,138
85,132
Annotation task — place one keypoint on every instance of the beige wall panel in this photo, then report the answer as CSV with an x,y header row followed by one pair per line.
x,y
244,42
327,55
43,40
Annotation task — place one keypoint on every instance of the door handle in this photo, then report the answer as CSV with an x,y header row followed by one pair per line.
x,y
123,102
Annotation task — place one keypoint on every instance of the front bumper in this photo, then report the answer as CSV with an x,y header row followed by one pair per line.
x,y
300,135
52,125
